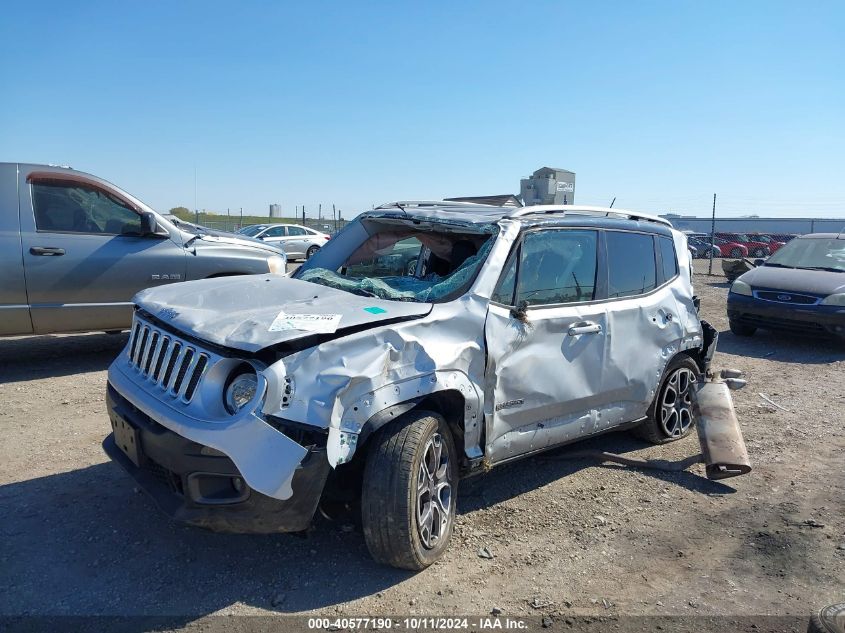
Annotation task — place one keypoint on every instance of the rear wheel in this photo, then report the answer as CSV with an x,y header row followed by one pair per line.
x,y
409,490
669,417
736,253
741,329
759,253
312,250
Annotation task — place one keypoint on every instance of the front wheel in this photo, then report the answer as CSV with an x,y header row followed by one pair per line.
x,y
736,253
409,490
759,253
741,329
312,250
670,417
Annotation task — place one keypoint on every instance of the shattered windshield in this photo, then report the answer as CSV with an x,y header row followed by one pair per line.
x,y
404,261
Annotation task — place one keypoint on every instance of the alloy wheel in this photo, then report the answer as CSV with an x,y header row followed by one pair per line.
x,y
676,404
434,492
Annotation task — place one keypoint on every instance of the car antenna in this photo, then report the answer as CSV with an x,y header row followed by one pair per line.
x,y
611,202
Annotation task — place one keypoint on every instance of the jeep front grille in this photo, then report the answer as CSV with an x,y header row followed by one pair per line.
x,y
175,365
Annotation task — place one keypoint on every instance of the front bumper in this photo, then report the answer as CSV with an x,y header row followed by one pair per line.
x,y
818,320
207,490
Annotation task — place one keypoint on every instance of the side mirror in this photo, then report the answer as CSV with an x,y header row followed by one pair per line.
x,y
520,312
149,226
759,262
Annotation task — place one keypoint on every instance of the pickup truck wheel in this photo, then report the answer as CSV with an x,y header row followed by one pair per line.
x,y
312,250
409,490
669,417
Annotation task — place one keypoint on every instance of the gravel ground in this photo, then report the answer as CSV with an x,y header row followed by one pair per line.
x,y
566,537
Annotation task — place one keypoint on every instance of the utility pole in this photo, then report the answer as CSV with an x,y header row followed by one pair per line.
x,y
712,235
228,219
303,214
334,219
320,211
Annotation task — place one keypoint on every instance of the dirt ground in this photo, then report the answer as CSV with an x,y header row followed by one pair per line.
x,y
568,537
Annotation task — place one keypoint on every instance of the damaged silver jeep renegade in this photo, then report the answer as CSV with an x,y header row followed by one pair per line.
x,y
427,341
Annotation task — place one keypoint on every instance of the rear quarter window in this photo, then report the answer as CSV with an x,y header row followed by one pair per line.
x,y
669,261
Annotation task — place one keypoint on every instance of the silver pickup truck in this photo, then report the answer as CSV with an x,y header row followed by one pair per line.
x,y
74,250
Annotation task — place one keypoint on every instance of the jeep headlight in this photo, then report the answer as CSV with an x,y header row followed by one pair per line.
x,y
741,288
240,391
277,265
834,300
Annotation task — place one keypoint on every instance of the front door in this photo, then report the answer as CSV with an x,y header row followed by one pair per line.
x,y
84,255
546,342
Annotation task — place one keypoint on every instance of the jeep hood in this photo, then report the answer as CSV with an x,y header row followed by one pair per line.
x,y
244,312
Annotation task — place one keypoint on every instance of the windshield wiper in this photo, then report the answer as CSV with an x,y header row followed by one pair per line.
x,y
829,269
191,239
364,292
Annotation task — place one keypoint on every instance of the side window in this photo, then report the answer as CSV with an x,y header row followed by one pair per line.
x,y
631,265
507,284
276,231
667,255
295,230
557,266
74,207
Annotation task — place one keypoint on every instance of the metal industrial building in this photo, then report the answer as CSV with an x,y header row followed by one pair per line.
x,y
789,226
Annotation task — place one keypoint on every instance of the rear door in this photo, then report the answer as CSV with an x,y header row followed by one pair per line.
x,y
295,245
546,336
83,253
643,319
14,308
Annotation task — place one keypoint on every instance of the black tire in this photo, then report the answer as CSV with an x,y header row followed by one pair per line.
x,y
736,253
311,251
391,500
741,329
661,427
759,253
830,619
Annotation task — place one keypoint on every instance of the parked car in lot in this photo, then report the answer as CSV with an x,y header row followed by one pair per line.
x,y
702,247
240,403
773,243
800,289
74,249
298,242
754,246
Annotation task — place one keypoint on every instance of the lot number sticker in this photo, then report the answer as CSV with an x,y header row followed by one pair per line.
x,y
320,323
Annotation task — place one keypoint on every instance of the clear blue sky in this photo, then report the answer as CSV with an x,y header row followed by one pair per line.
x,y
354,103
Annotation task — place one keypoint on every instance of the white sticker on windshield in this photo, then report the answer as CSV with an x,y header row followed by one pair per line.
x,y
319,323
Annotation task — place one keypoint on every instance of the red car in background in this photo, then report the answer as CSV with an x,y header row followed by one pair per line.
x,y
772,240
730,249
726,247
756,248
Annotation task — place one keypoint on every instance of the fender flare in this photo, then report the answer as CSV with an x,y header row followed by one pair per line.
x,y
376,408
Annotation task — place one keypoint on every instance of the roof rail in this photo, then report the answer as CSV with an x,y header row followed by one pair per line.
x,y
430,203
595,211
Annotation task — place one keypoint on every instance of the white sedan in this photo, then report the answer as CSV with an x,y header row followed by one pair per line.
x,y
298,242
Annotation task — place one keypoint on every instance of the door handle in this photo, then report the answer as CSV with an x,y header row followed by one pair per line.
x,y
48,251
587,327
